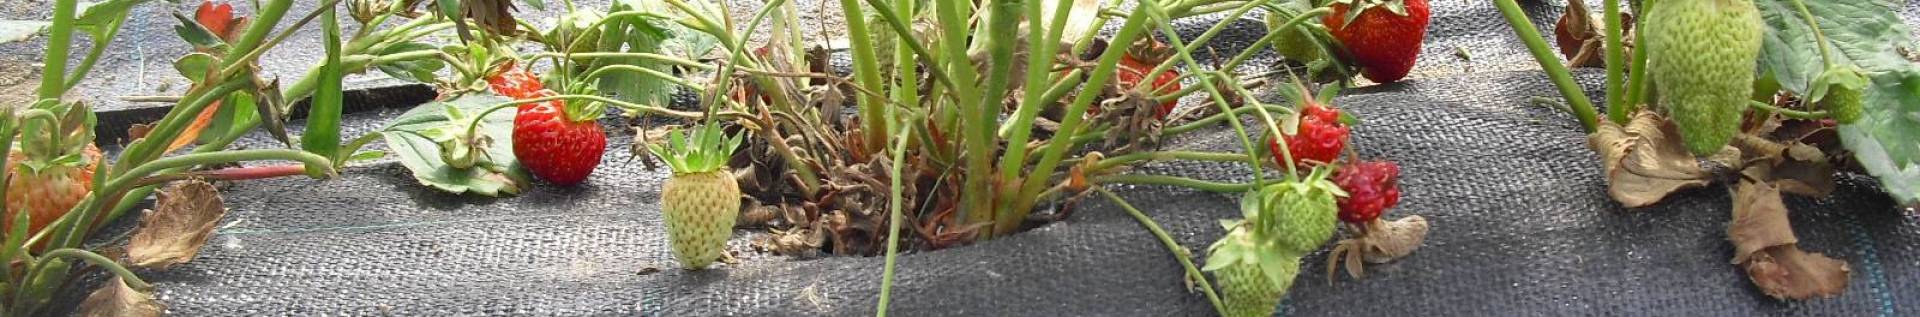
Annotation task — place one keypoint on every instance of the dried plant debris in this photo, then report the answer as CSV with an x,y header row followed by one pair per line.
x,y
116,299
1580,35
1645,161
180,223
1380,242
1764,244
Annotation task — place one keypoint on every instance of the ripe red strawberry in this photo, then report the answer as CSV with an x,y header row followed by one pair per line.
x,y
515,83
553,147
1133,71
1319,139
1382,36
1372,187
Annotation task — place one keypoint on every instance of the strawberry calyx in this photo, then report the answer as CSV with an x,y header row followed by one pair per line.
x,y
1354,8
708,149
56,141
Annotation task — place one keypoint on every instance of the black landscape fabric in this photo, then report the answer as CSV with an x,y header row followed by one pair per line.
x,y
1521,222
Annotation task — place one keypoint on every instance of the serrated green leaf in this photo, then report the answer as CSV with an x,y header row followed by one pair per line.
x,y
99,18
1868,34
634,34
195,66
407,138
367,156
322,135
418,70
197,34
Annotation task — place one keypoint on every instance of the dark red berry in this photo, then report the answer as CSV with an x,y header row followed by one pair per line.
x,y
1372,187
1319,139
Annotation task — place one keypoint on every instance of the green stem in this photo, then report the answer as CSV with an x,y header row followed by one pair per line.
x,y
1637,75
1562,78
171,125
1790,113
116,189
609,69
1180,253
866,73
474,126
1248,53
1617,107
1818,35
1208,36
132,280
894,217
1074,116
953,22
100,45
257,30
59,41
647,56
1039,66
1002,17
1219,99
1208,186
1135,157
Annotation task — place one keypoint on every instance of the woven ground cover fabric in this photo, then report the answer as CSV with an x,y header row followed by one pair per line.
x,y
1522,226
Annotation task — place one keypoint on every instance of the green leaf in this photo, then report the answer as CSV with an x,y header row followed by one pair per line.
x,y
364,156
421,154
1868,34
99,18
195,66
537,4
197,34
17,30
322,135
418,70
634,35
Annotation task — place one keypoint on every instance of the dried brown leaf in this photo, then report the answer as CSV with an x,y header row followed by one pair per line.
x,y
1786,272
1764,244
1759,220
180,223
116,299
1643,162
1389,241
1795,167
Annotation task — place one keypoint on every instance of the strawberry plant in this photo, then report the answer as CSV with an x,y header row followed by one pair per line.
x,y
1688,109
61,188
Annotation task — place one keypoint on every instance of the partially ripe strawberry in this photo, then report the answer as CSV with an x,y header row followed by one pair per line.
x,y
553,147
1319,139
515,83
1132,72
1382,37
1372,187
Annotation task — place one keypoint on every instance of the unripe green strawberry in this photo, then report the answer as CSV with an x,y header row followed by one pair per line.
x,y
1247,292
700,209
1294,42
1844,104
702,199
1703,54
1297,217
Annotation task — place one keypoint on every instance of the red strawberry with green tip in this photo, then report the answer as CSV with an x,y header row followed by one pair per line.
x,y
1381,36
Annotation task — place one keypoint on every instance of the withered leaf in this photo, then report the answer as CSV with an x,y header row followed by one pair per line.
x,y
1395,239
1380,242
180,223
1764,244
1759,220
1786,272
1793,166
116,299
1644,162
